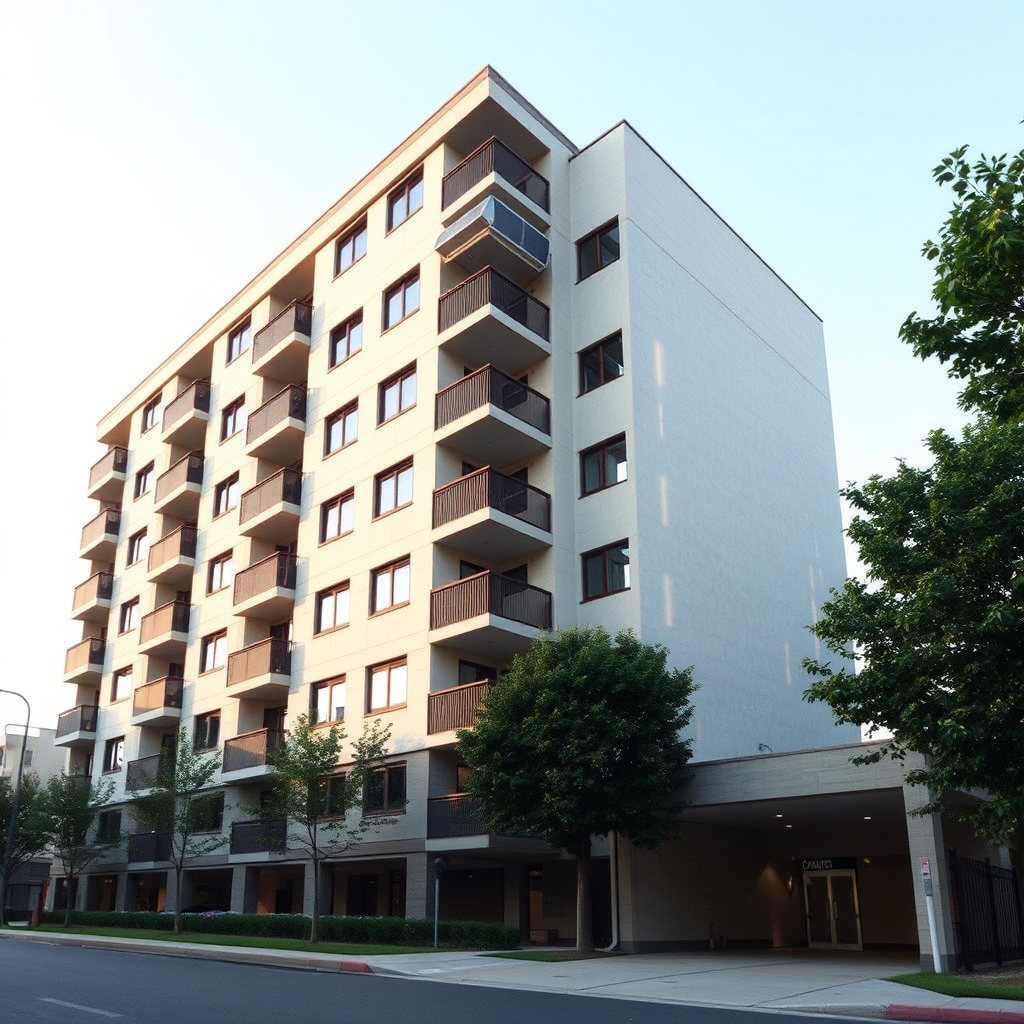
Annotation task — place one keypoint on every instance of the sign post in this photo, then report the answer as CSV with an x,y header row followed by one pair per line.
x,y
929,899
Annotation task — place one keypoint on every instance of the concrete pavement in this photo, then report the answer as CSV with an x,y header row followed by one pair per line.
x,y
847,984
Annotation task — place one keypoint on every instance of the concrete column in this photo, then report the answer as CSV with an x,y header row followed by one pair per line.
x,y
171,888
516,885
238,889
419,885
629,925
307,889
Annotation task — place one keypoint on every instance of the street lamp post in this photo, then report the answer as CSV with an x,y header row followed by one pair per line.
x,y
12,823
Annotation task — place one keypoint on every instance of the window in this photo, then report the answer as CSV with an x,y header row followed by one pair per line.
x,y
392,489
232,419
396,394
595,251
606,570
601,363
121,684
341,428
346,340
401,300
350,248
207,731
385,790
225,496
471,672
213,651
143,480
137,547
332,607
390,586
388,685
113,754
239,340
151,414
405,200
221,573
336,516
336,799
207,812
604,465
129,617
108,827
327,701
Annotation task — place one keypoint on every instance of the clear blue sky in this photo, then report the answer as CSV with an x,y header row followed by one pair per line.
x,y
157,154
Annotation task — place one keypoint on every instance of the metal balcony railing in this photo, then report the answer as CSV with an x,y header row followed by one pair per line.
x,y
98,587
487,488
149,846
488,592
88,653
488,287
456,815
265,835
288,403
187,470
294,319
161,693
270,656
106,524
147,771
115,461
80,719
284,487
195,398
494,156
180,543
172,617
489,385
455,708
250,749
276,570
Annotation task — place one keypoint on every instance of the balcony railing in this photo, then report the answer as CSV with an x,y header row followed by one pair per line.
x,y
487,488
268,657
488,287
98,587
88,653
80,719
172,617
489,593
489,385
288,403
276,570
456,815
295,319
187,470
250,750
494,156
195,398
106,524
455,708
149,846
146,772
161,693
284,487
180,543
266,835
115,461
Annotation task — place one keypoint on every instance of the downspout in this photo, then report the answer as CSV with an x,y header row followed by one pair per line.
x,y
613,871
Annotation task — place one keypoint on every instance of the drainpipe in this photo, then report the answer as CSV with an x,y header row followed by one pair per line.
x,y
613,871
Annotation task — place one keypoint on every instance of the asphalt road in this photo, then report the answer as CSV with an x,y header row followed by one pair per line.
x,y
43,984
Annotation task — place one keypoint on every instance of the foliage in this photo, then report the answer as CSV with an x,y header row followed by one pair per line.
x,y
582,736
32,828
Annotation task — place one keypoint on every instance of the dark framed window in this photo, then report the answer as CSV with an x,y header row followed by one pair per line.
x,y
108,826
143,480
389,585
239,340
225,495
113,755
327,700
128,618
332,608
137,547
336,798
346,340
471,672
206,735
350,248
402,299
341,428
207,812
601,363
595,251
392,489
605,570
221,572
121,684
396,394
604,465
337,516
387,685
213,652
385,790
405,200
232,419
151,413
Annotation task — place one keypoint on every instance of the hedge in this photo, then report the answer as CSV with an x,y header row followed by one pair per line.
x,y
384,931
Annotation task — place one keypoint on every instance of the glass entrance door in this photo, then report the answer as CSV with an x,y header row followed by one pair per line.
x,y
833,912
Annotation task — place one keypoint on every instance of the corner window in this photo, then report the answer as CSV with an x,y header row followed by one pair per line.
x,y
336,516
336,800
605,570
108,827
207,731
207,812
239,340
213,652
603,466
332,608
390,586
121,684
113,755
401,300
405,200
225,496
595,251
341,428
221,572
151,413
327,701
137,547
396,394
392,489
129,616
346,340
385,790
601,363
232,418
143,480
350,248
388,685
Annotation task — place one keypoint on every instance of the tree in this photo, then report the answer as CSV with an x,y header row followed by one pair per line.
x,y
32,831
316,800
179,806
582,737
72,804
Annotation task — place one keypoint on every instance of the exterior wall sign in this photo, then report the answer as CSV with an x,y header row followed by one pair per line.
x,y
827,863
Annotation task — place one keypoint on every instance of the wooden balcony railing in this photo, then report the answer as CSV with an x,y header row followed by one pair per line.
x,y
488,592
265,835
149,846
288,403
187,470
487,488
98,587
488,287
284,487
88,653
250,749
106,524
489,385
172,617
80,719
180,543
115,461
494,156
294,319
270,656
455,815
456,707
161,693
195,398
276,570
147,771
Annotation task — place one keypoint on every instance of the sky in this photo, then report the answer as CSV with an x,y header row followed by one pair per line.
x,y
158,153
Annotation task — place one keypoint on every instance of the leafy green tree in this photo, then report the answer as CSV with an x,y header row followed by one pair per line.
x,y
72,804
320,804
581,737
32,828
179,805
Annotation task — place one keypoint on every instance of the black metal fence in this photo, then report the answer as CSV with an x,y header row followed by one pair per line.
x,y
988,911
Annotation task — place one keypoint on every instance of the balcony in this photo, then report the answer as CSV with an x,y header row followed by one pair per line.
x,y
107,477
91,602
158,704
455,708
271,509
262,671
77,727
492,516
178,490
148,848
99,536
276,430
489,614
451,816
266,590
83,663
489,319
280,350
164,632
172,559
492,418
245,757
146,772
267,835
493,169
186,417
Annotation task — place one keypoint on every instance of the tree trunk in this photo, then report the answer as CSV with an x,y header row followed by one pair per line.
x,y
584,909
314,924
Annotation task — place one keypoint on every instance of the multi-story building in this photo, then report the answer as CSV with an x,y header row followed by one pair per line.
x,y
504,384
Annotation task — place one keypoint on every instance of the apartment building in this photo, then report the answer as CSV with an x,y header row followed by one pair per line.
x,y
504,384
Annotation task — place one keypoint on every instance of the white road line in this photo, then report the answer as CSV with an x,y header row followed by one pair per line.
x,y
79,1006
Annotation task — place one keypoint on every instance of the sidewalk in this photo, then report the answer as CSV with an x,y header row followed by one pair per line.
x,y
795,980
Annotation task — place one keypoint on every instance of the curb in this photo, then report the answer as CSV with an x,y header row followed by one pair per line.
x,y
952,1015
355,967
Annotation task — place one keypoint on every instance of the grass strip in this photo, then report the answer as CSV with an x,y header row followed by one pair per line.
x,y
960,985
